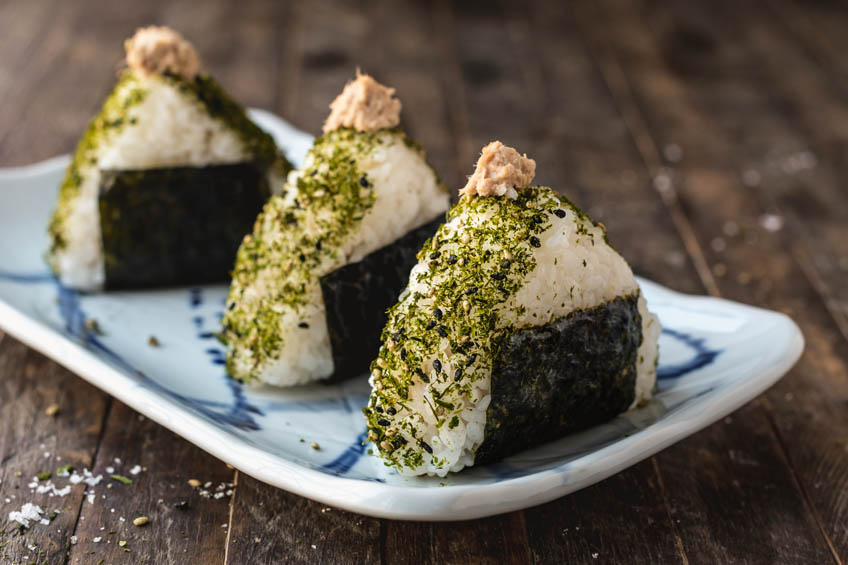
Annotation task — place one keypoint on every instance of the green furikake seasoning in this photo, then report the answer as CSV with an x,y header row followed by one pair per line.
x,y
113,117
298,237
443,335
116,114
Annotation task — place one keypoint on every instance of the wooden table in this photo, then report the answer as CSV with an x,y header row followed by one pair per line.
x,y
711,138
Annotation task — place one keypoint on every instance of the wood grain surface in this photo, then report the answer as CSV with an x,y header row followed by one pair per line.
x,y
710,137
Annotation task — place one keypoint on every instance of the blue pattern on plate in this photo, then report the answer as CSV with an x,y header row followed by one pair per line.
x,y
237,413
241,413
703,356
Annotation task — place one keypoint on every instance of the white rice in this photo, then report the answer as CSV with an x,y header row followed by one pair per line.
x,y
408,195
547,295
171,128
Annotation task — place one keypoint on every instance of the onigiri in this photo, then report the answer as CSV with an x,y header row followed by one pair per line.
x,y
520,324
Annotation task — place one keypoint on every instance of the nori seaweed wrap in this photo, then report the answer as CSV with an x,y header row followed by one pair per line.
x,y
166,180
332,252
520,324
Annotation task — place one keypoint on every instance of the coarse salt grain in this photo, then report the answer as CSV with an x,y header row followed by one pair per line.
x,y
135,470
28,513
771,222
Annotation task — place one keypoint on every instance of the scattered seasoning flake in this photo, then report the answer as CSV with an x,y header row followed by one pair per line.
x,y
52,410
141,520
152,341
73,540
315,446
194,482
92,326
122,479
64,470
44,475
122,543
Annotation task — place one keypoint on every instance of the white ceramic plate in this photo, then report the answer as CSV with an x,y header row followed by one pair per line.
x,y
716,355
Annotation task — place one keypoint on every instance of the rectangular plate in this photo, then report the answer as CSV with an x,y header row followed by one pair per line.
x,y
716,355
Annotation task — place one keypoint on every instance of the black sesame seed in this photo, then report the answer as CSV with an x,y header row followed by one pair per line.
x,y
303,325
422,375
383,422
363,181
254,256
451,259
435,254
437,365
396,336
534,241
181,505
538,219
430,325
318,245
499,276
471,290
457,374
302,257
437,313
426,447
391,411
442,331
403,354
379,409
505,264
471,360
231,305
559,213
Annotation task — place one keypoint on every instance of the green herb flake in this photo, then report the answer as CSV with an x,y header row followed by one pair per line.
x,y
122,479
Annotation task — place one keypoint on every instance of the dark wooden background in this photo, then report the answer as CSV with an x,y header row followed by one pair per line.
x,y
691,129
